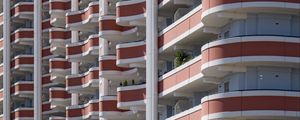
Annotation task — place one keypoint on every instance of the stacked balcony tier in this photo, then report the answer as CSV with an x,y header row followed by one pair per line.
x,y
83,51
85,19
59,68
131,13
89,110
57,11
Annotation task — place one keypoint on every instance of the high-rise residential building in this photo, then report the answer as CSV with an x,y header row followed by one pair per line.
x,y
150,60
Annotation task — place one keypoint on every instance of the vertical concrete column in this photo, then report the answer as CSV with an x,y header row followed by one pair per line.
x,y
74,39
37,60
104,90
151,60
6,59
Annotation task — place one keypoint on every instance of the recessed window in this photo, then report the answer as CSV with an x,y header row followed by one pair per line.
x,y
226,87
226,34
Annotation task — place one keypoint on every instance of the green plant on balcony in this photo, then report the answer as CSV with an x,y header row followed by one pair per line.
x,y
125,83
181,57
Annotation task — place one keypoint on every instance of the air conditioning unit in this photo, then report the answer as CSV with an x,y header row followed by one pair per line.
x,y
183,2
180,12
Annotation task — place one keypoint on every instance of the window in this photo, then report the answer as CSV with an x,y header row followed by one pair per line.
x,y
226,87
226,34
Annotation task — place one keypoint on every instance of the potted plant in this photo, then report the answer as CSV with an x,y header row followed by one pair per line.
x,y
125,83
181,57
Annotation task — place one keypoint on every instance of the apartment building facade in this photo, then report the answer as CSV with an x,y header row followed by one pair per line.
x,y
150,59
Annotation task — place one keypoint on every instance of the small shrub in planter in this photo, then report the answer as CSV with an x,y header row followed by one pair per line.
x,y
125,83
181,58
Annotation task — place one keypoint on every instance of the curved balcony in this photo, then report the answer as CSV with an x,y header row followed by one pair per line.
x,y
1,70
249,104
110,30
56,118
22,63
22,10
83,51
87,82
131,54
89,110
131,13
22,89
220,12
46,53
1,46
85,19
58,39
184,79
1,95
108,109
46,25
48,109
190,114
59,68
108,69
188,27
22,113
22,36
57,11
1,19
46,81
239,52
132,97
59,97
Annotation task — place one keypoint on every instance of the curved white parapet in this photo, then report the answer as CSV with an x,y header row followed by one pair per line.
x,y
23,36
131,54
251,104
46,25
22,10
22,113
1,70
46,81
89,110
58,38
132,97
193,113
57,12
108,69
58,69
47,108
59,97
131,13
110,30
47,54
108,109
219,12
84,20
1,95
83,51
22,63
1,19
22,89
238,51
1,45
87,82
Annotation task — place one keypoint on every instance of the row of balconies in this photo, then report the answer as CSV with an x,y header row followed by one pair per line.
x,y
125,59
